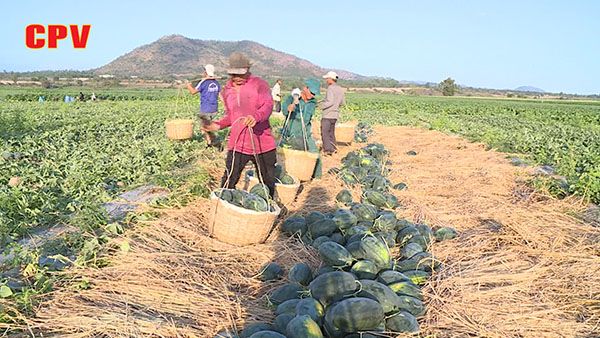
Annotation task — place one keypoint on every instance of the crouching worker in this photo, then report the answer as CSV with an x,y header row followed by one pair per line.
x,y
248,106
299,110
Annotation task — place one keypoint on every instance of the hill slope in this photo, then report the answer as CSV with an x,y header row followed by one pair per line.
x,y
181,56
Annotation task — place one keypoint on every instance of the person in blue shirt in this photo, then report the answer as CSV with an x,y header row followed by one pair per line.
x,y
209,89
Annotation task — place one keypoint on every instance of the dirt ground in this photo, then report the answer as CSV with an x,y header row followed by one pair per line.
x,y
523,265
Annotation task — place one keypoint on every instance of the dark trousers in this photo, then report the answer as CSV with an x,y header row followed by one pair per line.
x,y
266,166
277,106
328,135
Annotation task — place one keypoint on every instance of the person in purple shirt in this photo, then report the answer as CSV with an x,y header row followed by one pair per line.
x,y
209,89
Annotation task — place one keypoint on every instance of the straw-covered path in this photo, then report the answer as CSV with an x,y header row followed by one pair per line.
x,y
523,266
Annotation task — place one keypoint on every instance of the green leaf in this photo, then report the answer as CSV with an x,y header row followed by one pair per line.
x,y
125,246
5,291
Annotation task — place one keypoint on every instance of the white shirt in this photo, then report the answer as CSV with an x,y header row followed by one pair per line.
x,y
276,92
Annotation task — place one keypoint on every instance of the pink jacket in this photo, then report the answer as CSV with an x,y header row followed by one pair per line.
x,y
253,98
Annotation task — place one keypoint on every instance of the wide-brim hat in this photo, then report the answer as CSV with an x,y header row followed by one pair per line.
x,y
238,64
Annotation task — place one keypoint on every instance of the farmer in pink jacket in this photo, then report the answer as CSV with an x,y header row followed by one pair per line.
x,y
248,105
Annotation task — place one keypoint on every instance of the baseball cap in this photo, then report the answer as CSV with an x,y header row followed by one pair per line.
x,y
210,70
296,91
330,75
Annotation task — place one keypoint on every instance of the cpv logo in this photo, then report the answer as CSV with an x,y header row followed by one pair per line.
x,y
37,35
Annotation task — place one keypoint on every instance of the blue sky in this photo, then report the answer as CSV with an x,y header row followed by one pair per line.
x,y
553,45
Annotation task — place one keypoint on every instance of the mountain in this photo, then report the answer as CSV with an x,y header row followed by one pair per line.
x,y
181,56
529,89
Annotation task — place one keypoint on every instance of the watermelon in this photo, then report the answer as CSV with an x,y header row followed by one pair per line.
x,y
267,334
260,190
388,277
406,288
411,249
311,307
344,219
418,277
332,286
357,314
421,261
402,322
391,201
252,328
300,273
376,198
400,186
338,238
420,240
380,183
306,238
322,227
364,212
376,251
356,230
355,249
354,238
287,179
406,233
385,222
390,302
426,232
294,224
320,240
286,292
335,255
314,216
331,330
270,271
444,233
365,269
412,305
256,203
225,195
289,306
281,321
344,197
388,237
324,269
303,327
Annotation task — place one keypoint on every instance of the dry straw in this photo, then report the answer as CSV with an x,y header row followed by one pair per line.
x,y
521,267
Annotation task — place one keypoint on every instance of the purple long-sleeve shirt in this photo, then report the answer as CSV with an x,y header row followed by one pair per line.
x,y
252,98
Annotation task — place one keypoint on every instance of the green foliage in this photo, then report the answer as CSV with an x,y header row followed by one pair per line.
x,y
72,158
448,87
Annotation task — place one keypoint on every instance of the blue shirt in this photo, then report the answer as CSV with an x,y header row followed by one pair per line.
x,y
209,95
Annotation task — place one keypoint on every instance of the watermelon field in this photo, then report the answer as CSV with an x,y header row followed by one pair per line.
x,y
452,181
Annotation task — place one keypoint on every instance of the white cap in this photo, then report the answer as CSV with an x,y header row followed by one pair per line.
x,y
210,70
296,91
330,75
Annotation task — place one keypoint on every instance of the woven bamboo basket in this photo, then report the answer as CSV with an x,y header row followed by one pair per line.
x,y
298,164
180,129
344,132
238,226
285,193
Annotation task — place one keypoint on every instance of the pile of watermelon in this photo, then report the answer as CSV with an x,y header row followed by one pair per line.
x,y
374,264
362,132
257,199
